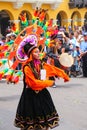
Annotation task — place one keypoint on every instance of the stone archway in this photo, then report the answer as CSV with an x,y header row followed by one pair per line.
x,y
85,18
85,21
59,21
5,17
75,19
62,19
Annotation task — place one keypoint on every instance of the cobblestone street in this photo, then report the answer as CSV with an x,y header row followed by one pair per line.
x,y
69,98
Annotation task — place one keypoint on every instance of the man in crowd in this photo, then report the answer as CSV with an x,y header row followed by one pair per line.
x,y
83,48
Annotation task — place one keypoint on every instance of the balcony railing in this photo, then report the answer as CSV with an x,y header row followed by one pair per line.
x,y
72,4
85,3
77,4
35,3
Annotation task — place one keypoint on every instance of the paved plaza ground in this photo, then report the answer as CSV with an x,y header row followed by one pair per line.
x,y
69,98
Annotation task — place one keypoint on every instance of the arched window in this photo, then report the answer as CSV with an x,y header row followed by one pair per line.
x,y
4,22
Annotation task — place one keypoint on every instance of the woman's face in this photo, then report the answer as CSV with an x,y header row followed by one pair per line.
x,y
36,54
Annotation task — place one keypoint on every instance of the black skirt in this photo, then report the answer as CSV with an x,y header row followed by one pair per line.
x,y
36,110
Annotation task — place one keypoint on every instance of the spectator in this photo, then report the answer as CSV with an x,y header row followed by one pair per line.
x,y
83,54
2,41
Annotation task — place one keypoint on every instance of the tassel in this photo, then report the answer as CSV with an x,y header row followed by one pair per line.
x,y
3,73
2,55
9,77
17,77
3,61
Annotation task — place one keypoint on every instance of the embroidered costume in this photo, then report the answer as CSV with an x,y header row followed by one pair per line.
x,y
36,109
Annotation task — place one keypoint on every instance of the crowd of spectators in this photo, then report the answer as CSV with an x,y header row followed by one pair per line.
x,y
65,41
74,43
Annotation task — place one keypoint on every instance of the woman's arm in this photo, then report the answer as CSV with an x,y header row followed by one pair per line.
x,y
54,71
34,83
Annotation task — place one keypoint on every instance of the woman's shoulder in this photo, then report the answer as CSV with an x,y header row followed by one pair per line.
x,y
26,66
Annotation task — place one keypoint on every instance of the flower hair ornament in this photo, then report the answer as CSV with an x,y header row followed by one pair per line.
x,y
32,40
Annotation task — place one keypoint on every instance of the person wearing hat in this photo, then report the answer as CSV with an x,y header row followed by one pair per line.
x,y
2,41
75,68
36,110
83,55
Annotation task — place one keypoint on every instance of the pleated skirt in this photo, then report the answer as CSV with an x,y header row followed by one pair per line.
x,y
36,110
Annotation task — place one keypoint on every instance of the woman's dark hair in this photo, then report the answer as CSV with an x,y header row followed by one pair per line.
x,y
40,47
28,48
